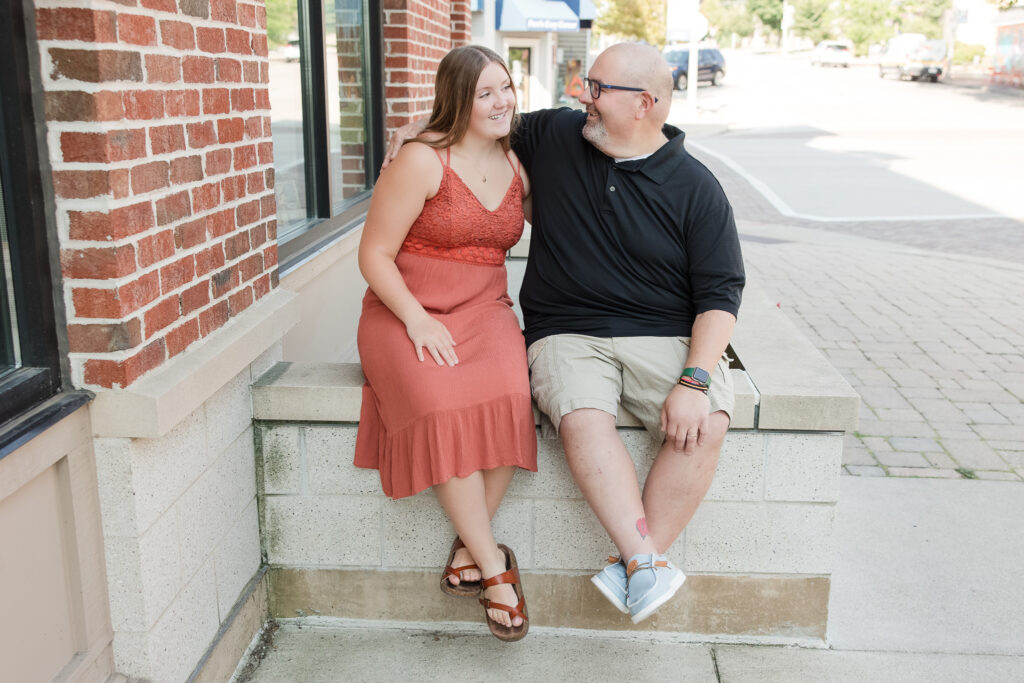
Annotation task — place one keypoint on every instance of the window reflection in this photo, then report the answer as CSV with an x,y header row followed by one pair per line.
x,y
286,113
347,95
321,160
9,351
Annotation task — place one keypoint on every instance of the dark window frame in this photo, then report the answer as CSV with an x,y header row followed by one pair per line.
x,y
304,239
35,394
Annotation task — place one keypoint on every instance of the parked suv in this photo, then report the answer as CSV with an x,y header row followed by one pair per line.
x,y
710,65
914,57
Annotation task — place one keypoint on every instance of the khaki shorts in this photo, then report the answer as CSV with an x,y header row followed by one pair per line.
x,y
573,371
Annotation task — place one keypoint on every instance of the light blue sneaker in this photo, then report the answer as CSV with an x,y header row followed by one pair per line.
x,y
611,581
651,581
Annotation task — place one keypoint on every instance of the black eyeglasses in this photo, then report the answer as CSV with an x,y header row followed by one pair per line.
x,y
597,86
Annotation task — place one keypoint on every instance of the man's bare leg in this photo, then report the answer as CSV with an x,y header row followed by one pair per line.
x,y
677,483
605,474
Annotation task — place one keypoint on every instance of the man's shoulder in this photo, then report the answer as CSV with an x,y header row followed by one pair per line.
x,y
690,169
560,117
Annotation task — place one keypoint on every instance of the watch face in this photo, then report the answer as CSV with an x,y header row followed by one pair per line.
x,y
701,375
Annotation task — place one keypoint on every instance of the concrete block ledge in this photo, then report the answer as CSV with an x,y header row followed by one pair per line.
x,y
158,402
797,386
758,552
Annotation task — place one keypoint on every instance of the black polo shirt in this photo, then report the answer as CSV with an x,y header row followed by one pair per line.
x,y
636,248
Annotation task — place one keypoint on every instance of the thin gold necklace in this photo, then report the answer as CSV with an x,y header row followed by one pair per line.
x,y
487,157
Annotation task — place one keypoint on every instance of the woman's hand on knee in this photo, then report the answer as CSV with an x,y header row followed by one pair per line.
x,y
427,332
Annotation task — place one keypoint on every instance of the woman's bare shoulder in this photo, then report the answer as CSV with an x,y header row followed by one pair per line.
x,y
416,166
419,156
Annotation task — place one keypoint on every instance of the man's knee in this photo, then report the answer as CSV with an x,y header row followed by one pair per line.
x,y
718,426
585,421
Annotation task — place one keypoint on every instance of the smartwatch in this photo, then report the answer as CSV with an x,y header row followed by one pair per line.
x,y
698,374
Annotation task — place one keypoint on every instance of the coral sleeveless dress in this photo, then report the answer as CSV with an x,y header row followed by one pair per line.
x,y
422,423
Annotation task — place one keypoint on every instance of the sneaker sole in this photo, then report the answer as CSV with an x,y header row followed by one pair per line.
x,y
607,593
665,597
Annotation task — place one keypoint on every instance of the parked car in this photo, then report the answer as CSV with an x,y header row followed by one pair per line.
x,y
831,53
710,65
914,57
291,52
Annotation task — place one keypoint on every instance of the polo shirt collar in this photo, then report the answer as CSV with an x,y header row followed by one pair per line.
x,y
660,165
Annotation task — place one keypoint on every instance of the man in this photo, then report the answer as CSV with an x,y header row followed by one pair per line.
x,y
630,295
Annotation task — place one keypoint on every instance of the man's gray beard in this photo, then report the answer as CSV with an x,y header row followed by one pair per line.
x,y
595,133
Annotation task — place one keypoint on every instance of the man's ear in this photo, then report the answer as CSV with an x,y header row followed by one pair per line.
x,y
646,105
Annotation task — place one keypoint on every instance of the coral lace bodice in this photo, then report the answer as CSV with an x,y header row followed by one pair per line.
x,y
455,226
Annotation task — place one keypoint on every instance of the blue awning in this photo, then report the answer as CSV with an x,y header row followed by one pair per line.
x,y
535,15
584,9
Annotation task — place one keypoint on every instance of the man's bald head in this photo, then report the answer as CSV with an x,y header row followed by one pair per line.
x,y
641,66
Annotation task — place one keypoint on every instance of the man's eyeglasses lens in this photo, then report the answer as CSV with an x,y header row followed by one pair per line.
x,y
596,87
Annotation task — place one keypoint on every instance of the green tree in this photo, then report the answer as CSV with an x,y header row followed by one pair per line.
x,y
727,18
923,16
282,20
866,22
768,11
633,19
813,19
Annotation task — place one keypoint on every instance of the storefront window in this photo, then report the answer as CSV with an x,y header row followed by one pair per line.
x,y
326,138
286,112
348,113
10,358
30,368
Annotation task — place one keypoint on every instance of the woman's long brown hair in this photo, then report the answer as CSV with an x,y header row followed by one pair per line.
x,y
454,90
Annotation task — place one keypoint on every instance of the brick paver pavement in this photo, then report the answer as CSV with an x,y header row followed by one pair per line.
x,y
931,339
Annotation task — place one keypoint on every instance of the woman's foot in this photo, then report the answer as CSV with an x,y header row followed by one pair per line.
x,y
457,578
462,558
503,599
503,594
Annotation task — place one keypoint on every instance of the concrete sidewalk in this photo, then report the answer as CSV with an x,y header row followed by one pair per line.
x,y
920,317
926,587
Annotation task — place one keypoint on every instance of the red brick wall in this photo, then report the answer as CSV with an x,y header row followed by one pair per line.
x,y
417,34
159,134
462,23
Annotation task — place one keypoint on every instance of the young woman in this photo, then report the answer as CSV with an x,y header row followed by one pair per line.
x,y
447,397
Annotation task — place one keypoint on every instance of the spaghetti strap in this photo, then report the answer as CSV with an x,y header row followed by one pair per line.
x,y
515,167
448,156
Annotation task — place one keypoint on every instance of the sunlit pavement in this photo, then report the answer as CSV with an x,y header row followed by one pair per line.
x,y
914,296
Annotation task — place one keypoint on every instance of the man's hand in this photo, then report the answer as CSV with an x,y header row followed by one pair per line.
x,y
427,332
398,138
684,418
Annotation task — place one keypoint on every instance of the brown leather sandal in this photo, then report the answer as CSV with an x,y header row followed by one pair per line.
x,y
463,589
511,575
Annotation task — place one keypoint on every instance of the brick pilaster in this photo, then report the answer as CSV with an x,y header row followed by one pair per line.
x,y
462,23
158,120
417,34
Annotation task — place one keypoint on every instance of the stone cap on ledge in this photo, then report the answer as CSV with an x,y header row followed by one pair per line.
x,y
798,387
785,383
332,392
